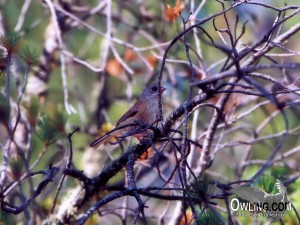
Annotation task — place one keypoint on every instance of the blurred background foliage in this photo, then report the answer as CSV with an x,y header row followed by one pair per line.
x,y
102,97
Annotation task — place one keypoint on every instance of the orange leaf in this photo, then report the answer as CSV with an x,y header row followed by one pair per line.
x,y
189,218
146,154
114,68
152,60
129,55
172,12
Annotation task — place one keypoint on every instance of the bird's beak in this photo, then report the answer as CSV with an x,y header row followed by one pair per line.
x,y
161,90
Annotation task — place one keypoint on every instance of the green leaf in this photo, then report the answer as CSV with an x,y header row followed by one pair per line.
x,y
11,42
31,110
46,130
51,125
202,189
30,55
6,219
209,218
267,183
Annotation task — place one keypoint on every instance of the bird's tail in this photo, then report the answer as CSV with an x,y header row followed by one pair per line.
x,y
101,140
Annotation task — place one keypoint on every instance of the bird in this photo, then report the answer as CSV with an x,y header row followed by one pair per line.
x,y
258,196
142,115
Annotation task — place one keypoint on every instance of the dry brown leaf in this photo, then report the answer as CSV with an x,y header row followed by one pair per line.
x,y
146,155
114,68
129,55
173,12
189,217
152,60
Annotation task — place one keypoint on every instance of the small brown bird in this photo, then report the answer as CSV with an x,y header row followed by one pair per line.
x,y
144,112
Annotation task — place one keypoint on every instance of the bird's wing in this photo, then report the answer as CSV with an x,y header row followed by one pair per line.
x,y
280,187
130,113
282,190
279,198
251,194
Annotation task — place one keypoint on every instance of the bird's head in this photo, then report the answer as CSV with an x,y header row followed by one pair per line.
x,y
153,91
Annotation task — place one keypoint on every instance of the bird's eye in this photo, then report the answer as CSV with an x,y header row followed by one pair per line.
x,y
154,89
